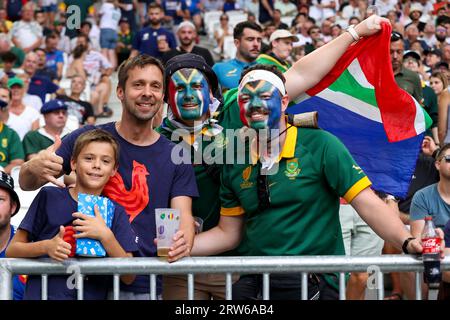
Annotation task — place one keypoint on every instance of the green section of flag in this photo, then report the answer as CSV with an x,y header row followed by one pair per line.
x,y
348,85
428,121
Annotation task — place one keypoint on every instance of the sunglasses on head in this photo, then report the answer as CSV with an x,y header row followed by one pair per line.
x,y
447,158
262,187
395,36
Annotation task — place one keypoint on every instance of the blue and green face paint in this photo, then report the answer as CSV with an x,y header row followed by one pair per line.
x,y
260,105
188,94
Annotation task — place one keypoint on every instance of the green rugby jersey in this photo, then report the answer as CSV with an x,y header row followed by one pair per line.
x,y
207,205
315,170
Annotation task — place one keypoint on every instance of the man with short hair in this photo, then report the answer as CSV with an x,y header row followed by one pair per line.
x,y
406,79
433,200
55,117
432,57
153,40
187,33
39,85
54,57
281,43
9,206
81,110
42,69
412,61
247,39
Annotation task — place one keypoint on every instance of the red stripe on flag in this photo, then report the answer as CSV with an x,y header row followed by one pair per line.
x,y
397,107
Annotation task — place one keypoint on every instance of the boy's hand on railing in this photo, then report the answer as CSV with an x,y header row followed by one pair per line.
x,y
57,248
91,227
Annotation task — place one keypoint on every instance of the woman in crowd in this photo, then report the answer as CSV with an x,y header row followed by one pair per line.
x,y
439,83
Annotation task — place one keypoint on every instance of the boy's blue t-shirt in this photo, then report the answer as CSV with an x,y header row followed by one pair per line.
x,y
147,179
51,208
18,281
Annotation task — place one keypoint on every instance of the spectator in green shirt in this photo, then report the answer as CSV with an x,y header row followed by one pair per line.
x,y
289,194
55,116
11,152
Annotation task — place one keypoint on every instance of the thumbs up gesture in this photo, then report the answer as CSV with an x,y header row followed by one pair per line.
x,y
57,248
45,167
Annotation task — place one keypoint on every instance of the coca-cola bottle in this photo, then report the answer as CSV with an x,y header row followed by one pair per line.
x,y
431,243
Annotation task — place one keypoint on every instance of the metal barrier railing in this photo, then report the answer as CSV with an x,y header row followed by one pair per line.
x,y
226,265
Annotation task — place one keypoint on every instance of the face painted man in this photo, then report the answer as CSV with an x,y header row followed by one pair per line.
x,y
191,91
189,95
295,209
260,101
190,88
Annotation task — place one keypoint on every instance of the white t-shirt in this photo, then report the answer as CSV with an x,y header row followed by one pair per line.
x,y
33,101
27,33
22,123
93,63
321,14
110,16
350,11
302,40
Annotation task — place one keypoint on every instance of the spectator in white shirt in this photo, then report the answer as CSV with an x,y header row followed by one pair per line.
x,y
26,33
109,23
21,118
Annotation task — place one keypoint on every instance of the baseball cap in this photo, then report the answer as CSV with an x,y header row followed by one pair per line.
x,y
411,53
15,81
442,64
190,60
281,34
53,105
433,51
7,183
416,7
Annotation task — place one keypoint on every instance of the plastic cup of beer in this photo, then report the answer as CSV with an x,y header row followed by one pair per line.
x,y
167,224
198,225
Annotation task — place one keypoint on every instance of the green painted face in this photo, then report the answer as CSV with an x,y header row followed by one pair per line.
x,y
260,105
188,94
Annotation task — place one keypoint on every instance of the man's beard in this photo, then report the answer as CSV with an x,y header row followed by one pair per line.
x,y
186,42
155,22
440,38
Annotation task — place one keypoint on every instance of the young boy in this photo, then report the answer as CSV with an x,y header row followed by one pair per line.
x,y
41,233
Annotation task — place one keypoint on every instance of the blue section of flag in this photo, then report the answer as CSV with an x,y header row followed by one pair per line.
x,y
389,166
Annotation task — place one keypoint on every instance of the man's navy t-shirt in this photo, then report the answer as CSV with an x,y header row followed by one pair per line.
x,y
146,179
40,86
145,41
53,207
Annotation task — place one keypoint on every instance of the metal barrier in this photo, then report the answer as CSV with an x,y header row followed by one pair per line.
x,y
227,265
